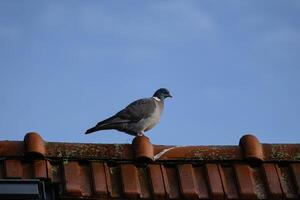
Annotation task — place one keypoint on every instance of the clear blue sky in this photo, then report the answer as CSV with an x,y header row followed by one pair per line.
x,y
233,67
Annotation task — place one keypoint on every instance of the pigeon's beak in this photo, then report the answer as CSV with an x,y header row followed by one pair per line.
x,y
169,95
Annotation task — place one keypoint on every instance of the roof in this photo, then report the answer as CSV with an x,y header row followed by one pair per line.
x,y
140,170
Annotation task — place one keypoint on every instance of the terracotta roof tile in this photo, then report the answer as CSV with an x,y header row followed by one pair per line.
x,y
40,169
171,181
156,179
72,178
13,169
245,181
228,181
187,181
251,148
201,182
140,170
34,144
286,177
272,181
99,179
143,149
130,182
214,181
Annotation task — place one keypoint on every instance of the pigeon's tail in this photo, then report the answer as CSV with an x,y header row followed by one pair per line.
x,y
91,130
110,123
100,127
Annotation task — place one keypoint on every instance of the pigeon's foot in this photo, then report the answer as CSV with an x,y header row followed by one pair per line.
x,y
140,134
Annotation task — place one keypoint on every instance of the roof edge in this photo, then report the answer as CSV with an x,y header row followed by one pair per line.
x,y
141,149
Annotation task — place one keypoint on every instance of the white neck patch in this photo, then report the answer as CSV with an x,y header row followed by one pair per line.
x,y
157,99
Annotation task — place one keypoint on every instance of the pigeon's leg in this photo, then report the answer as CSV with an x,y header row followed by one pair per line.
x,y
141,133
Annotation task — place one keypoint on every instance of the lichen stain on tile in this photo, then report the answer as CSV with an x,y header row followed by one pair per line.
x,y
279,153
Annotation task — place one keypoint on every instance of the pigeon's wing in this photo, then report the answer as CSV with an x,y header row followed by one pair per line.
x,y
134,112
137,110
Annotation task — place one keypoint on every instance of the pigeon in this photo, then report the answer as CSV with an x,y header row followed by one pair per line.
x,y
138,117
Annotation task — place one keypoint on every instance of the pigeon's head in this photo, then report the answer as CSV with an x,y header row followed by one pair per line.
x,y
162,93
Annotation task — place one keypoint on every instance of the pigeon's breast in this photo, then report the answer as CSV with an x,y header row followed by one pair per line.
x,y
153,119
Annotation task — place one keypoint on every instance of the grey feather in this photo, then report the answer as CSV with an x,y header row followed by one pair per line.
x,y
137,117
138,110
